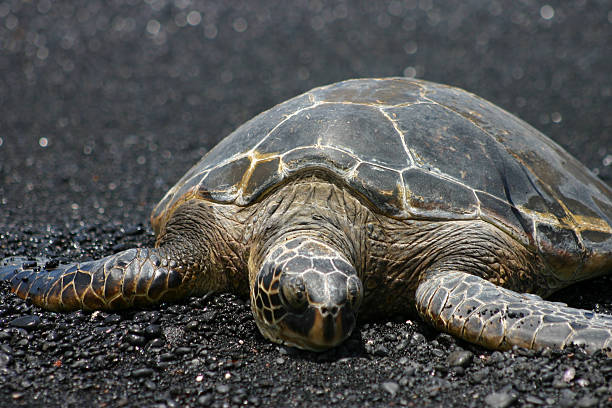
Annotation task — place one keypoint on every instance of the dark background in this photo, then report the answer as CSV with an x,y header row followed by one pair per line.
x,y
105,104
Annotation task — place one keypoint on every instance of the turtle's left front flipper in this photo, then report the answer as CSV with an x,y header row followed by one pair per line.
x,y
480,312
129,278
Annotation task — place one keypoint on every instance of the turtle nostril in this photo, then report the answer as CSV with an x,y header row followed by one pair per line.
x,y
329,310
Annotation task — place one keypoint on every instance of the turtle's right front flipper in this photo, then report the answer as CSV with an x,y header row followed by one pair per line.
x,y
134,277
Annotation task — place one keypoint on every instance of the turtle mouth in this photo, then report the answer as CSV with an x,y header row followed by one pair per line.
x,y
316,329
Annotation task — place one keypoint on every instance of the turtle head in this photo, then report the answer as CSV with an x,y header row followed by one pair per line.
x,y
306,294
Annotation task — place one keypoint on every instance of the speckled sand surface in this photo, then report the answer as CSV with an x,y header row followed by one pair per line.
x,y
105,104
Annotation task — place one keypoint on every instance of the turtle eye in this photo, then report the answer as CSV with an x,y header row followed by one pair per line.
x,y
293,293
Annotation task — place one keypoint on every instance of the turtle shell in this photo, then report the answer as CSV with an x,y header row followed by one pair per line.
x,y
413,149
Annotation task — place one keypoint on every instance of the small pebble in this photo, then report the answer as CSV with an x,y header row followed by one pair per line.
x,y
569,374
134,230
5,335
135,340
81,363
157,342
587,402
208,317
446,339
582,382
402,345
410,370
391,387
418,338
182,350
222,388
5,359
112,319
6,348
54,335
142,372
568,395
253,400
192,325
496,357
205,400
26,322
460,358
559,383
459,371
499,399
166,357
380,351
136,329
534,400
153,330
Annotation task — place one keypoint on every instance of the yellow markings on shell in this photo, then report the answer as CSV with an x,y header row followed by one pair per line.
x,y
403,194
282,168
352,172
476,113
389,193
585,222
573,221
255,157
576,222
406,193
418,160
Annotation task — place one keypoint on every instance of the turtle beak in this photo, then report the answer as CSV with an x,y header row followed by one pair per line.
x,y
319,327
332,325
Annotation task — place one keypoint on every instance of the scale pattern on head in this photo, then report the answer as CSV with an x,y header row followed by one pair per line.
x,y
306,294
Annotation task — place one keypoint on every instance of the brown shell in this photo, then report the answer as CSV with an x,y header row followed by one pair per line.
x,y
415,149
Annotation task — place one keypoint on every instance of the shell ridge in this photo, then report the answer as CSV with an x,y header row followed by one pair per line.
x,y
401,135
286,118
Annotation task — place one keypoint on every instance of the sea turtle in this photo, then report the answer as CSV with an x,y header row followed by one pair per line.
x,y
379,196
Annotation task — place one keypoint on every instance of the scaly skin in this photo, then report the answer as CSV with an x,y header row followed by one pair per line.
x,y
135,277
480,312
